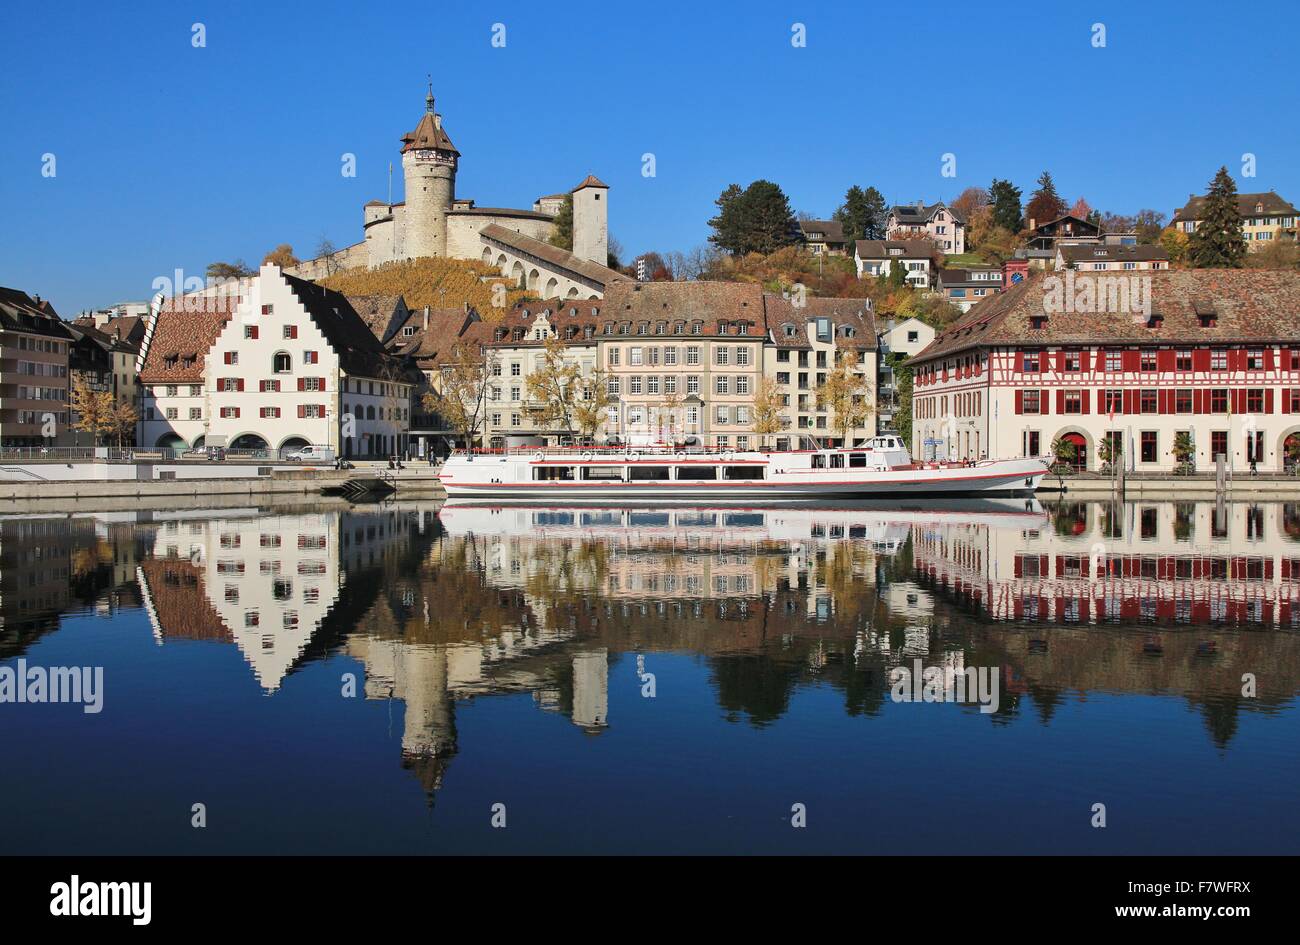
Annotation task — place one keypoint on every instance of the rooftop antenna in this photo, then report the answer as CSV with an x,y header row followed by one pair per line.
x,y
390,185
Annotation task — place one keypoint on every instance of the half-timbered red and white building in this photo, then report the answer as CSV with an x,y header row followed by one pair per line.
x,y
1134,358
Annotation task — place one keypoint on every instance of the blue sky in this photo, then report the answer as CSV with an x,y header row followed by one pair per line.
x,y
171,157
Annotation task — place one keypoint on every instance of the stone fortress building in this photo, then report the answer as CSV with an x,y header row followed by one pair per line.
x,y
433,221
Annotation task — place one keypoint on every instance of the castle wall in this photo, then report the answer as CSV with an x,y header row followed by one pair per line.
x,y
463,240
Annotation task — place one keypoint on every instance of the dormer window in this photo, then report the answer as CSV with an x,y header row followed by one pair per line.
x,y
790,330
1207,320
408,331
1155,320
1037,322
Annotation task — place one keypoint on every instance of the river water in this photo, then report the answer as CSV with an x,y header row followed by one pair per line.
x,y
410,678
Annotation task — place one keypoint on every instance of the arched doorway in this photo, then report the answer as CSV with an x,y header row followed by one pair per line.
x,y
294,443
170,441
198,442
1290,451
1080,461
248,441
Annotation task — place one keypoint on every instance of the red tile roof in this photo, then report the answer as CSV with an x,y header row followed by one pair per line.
x,y
183,332
1249,306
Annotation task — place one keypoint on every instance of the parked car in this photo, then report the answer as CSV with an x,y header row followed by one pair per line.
x,y
311,454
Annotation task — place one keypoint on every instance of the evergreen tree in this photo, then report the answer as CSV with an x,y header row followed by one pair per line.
x,y
1217,243
862,214
755,220
562,225
1045,204
1005,198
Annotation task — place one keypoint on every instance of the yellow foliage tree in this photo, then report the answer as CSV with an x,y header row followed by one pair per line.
x,y
92,410
768,409
846,394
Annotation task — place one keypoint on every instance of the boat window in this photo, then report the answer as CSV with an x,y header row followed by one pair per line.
x,y
696,519
592,519
700,471
648,519
552,518
642,473
742,472
819,461
857,460
547,473
837,461
743,519
603,473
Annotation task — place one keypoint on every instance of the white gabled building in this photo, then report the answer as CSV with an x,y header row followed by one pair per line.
x,y
289,364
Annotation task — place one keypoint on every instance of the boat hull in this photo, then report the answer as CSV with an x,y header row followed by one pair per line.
x,y
1004,478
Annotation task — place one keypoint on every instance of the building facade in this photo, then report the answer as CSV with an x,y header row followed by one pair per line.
x,y
939,222
287,364
1265,217
965,287
34,348
1201,362
875,258
679,362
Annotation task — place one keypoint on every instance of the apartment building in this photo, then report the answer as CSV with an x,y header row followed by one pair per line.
x,y
680,362
1212,354
803,345
34,345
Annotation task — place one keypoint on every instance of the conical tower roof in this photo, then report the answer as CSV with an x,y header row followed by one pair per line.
x,y
428,134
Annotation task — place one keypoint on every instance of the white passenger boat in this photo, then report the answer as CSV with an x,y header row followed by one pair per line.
x,y
881,467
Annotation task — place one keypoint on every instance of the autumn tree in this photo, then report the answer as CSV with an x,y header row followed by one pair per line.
x,y
1217,242
1045,204
463,381
562,225
768,409
846,394
592,404
92,410
1148,224
567,399
970,200
1174,243
281,256
122,420
238,269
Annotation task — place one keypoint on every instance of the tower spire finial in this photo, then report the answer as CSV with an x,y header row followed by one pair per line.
x,y
428,101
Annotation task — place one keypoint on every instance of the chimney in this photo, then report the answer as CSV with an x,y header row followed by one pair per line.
x,y
426,318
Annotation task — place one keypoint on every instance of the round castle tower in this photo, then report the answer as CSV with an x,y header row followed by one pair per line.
x,y
429,169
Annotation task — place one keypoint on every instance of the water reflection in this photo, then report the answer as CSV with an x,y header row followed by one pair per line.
x,y
442,607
